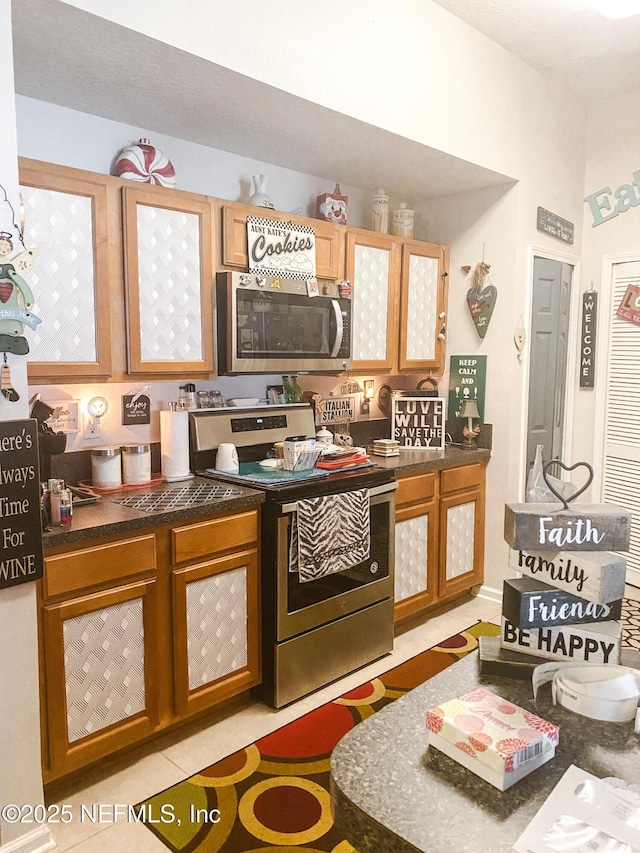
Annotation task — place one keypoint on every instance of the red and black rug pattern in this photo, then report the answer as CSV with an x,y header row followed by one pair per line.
x,y
274,794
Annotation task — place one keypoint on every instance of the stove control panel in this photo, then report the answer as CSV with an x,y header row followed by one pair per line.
x,y
255,423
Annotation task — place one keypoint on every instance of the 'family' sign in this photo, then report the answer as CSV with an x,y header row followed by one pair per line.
x,y
418,422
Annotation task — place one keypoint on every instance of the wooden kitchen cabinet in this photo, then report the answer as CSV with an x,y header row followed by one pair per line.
x,y
67,215
99,633
216,611
373,267
329,238
400,302
416,565
139,634
439,537
168,245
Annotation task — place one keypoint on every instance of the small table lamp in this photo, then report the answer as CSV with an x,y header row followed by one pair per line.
x,y
469,410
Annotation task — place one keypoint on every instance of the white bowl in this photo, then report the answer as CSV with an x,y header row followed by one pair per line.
x,y
244,402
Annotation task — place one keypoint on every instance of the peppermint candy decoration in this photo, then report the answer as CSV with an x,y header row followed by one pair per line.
x,y
144,163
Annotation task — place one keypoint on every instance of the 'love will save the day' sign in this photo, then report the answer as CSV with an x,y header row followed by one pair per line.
x,y
418,422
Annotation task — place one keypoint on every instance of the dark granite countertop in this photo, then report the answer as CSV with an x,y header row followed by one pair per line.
x,y
108,518
391,793
420,461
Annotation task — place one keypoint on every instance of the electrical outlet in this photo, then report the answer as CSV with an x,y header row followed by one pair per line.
x,y
92,430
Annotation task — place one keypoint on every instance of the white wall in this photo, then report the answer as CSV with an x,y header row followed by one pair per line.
x,y
20,774
409,67
612,158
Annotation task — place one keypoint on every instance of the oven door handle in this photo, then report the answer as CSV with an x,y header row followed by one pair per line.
x,y
339,328
376,490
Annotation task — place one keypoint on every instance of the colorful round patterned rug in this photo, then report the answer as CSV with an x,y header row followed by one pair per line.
x,y
274,794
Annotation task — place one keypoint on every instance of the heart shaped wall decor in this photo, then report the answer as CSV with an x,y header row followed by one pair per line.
x,y
481,299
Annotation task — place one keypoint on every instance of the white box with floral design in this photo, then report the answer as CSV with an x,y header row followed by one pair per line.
x,y
495,739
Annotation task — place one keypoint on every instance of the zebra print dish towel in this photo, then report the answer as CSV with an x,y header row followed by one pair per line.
x,y
329,534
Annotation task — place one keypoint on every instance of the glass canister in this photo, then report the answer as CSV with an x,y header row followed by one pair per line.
x,y
136,464
402,221
106,472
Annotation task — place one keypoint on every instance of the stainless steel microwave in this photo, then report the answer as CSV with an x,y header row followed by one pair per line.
x,y
270,324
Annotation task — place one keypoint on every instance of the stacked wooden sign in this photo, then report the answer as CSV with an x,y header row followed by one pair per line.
x,y
567,605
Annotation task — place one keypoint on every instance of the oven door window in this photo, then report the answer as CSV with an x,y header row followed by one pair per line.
x,y
308,593
279,325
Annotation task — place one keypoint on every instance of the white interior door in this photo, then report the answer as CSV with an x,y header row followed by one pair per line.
x,y
621,463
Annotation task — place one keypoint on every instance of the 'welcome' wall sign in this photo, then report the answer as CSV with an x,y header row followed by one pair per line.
x,y
281,248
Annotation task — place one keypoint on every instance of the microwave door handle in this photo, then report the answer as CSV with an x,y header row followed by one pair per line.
x,y
339,328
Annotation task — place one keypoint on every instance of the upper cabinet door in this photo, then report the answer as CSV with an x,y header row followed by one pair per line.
x,y
373,265
169,281
423,306
235,252
65,214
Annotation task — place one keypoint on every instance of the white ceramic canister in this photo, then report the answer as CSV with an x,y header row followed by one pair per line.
x,y
136,464
106,472
402,221
380,212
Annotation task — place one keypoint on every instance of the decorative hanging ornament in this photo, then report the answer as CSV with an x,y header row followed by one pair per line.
x,y
481,298
142,162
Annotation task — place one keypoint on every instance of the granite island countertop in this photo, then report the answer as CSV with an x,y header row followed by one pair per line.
x,y
390,792
106,517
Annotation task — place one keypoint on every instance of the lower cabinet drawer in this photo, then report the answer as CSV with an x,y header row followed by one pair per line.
x,y
467,476
103,564
420,488
210,537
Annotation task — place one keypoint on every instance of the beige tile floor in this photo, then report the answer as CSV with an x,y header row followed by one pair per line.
x,y
177,758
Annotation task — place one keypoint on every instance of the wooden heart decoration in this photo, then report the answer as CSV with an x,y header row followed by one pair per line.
x,y
481,303
563,500
6,289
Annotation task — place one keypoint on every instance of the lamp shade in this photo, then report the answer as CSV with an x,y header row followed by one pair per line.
x,y
469,409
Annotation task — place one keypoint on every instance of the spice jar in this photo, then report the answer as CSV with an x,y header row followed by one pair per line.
x,y
380,212
136,464
402,221
105,467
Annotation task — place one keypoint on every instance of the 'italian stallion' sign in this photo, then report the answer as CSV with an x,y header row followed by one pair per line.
x,y
281,248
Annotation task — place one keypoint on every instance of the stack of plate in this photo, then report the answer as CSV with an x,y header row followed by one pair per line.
x,y
386,447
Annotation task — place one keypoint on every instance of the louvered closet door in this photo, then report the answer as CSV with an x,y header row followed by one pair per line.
x,y
621,482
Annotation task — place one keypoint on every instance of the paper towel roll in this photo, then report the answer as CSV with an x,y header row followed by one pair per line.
x,y
174,445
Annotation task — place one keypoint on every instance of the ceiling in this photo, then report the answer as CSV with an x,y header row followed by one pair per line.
x,y
69,57
565,39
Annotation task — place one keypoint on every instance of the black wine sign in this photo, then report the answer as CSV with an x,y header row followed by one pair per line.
x,y
21,557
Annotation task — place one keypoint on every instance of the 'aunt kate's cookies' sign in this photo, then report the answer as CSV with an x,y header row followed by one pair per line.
x,y
281,248
418,422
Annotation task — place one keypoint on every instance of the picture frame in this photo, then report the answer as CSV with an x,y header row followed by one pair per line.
x,y
65,417
418,420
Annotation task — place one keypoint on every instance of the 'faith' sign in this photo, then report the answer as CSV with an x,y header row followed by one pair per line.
x,y
547,527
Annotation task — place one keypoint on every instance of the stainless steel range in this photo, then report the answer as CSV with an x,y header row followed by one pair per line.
x,y
327,551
